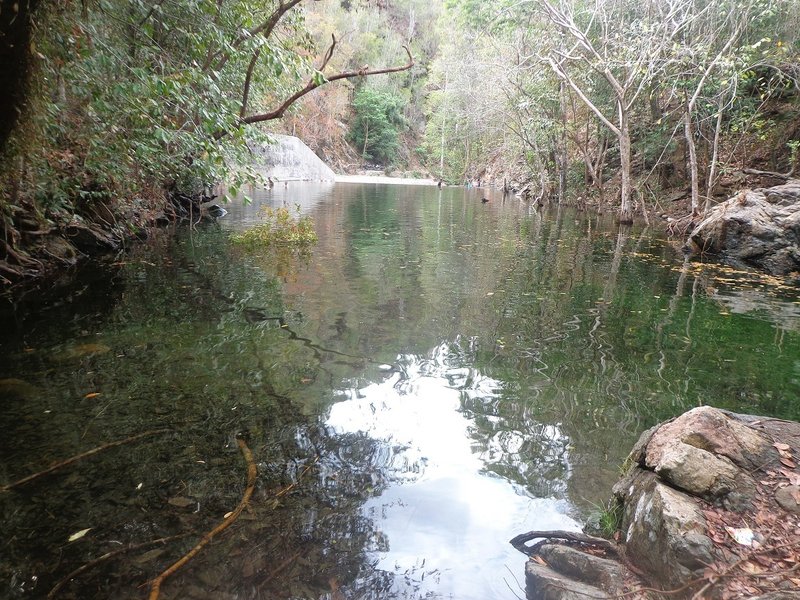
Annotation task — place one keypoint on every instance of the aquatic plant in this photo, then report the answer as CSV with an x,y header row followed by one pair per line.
x,y
280,226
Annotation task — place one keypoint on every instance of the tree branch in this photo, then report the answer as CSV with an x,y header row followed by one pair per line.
x,y
561,73
314,83
266,28
247,80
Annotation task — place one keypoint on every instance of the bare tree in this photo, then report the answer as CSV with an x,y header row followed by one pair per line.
x,y
624,46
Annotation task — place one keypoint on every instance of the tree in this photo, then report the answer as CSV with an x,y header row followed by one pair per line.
x,y
375,128
149,98
627,62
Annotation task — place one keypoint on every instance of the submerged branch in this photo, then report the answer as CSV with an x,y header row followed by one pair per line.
x,y
155,588
78,457
107,556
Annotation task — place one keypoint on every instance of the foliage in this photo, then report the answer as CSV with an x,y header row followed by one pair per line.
x,y
280,227
605,521
377,124
142,95
505,61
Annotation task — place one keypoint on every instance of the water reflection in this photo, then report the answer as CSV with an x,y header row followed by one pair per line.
x,y
444,495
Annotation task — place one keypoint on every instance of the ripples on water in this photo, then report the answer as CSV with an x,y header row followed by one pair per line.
x,y
434,377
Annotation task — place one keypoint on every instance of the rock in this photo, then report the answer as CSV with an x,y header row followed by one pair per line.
x,y
665,530
584,567
17,389
789,498
760,228
289,158
713,430
60,249
90,239
692,484
216,211
80,351
700,472
543,583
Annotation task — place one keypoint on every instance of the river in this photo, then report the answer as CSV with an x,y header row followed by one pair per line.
x,y
435,376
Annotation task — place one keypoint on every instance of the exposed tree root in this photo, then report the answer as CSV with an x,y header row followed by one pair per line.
x,y
155,588
80,456
573,536
20,259
107,556
786,176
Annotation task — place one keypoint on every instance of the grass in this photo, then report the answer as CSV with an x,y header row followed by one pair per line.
x,y
605,521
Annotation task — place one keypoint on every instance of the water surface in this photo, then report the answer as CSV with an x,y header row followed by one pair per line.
x,y
434,377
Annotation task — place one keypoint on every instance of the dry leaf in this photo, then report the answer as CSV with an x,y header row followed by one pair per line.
x,y
779,446
539,559
92,395
787,462
751,568
78,534
742,535
794,478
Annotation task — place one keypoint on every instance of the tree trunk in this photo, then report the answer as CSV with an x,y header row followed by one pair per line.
x,y
688,130
15,49
625,208
712,169
562,151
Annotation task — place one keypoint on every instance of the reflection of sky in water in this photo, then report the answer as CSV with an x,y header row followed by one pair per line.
x,y
445,520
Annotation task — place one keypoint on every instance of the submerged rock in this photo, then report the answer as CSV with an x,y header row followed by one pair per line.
x,y
710,509
758,227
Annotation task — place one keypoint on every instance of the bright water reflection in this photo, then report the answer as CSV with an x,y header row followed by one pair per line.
x,y
443,499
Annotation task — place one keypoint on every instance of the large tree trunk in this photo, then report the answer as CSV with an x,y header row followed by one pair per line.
x,y
15,32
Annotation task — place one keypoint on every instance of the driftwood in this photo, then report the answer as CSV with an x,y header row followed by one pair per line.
x,y
572,536
80,456
155,588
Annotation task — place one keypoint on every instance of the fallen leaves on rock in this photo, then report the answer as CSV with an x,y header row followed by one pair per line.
x,y
761,550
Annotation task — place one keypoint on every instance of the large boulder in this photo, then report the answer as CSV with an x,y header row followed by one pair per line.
x,y
759,227
710,508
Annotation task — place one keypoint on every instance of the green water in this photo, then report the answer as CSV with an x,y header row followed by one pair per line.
x,y
434,377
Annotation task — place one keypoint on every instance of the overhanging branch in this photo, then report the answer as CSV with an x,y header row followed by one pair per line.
x,y
316,82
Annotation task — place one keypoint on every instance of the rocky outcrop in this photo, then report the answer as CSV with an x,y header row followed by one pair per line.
x,y
710,508
759,227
